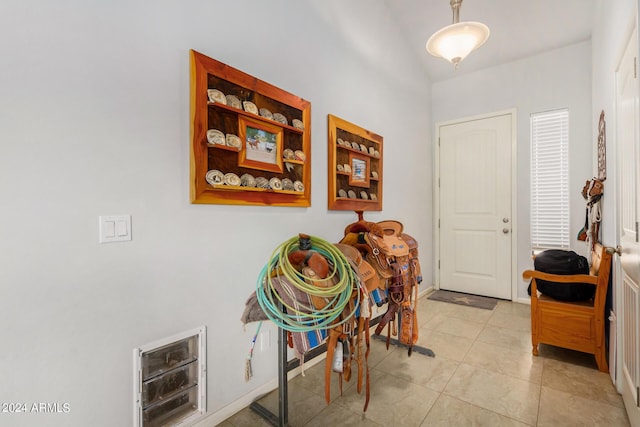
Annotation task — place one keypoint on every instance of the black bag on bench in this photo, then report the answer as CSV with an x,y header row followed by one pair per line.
x,y
556,261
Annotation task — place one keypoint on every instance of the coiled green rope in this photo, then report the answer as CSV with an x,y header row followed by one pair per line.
x,y
307,318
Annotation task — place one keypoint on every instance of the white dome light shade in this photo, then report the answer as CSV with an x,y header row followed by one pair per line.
x,y
456,41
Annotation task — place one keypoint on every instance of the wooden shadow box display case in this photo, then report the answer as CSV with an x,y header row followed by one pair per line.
x,y
355,167
250,141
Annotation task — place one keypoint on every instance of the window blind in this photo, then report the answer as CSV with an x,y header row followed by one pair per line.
x,y
550,179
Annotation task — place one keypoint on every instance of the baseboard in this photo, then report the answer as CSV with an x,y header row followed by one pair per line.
x,y
215,418
212,420
426,291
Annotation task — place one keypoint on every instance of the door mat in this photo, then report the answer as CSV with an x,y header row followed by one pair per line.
x,y
464,299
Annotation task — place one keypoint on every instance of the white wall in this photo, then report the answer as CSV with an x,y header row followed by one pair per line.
x,y
551,80
94,120
611,32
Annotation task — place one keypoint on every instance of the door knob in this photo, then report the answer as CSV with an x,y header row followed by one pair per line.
x,y
505,230
505,220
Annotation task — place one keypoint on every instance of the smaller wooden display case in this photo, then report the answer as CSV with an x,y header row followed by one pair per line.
x,y
355,167
250,141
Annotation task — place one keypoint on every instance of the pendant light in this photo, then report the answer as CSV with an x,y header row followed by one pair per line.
x,y
454,42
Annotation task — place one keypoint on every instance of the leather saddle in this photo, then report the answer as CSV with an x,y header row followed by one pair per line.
x,y
394,256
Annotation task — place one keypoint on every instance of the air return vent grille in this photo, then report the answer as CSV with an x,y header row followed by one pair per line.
x,y
170,380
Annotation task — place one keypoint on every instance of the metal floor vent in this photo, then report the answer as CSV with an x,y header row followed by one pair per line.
x,y
170,380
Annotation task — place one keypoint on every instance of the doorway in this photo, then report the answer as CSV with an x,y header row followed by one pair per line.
x,y
475,221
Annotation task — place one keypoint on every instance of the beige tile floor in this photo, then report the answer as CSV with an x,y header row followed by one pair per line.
x,y
483,374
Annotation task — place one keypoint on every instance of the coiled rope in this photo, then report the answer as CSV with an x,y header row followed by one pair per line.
x,y
341,281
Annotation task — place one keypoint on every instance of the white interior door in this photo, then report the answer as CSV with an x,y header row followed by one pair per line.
x,y
475,206
628,281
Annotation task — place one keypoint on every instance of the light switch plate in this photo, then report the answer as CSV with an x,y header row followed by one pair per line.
x,y
114,228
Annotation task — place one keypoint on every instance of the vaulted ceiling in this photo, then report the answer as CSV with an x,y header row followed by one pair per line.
x,y
519,28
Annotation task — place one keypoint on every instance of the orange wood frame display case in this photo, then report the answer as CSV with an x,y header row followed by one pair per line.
x,y
355,167
250,141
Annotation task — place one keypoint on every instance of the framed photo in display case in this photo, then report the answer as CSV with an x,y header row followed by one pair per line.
x,y
261,145
359,176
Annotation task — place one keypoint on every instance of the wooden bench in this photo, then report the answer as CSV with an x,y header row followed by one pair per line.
x,y
573,325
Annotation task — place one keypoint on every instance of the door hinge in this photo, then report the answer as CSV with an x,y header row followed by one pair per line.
x,y
438,264
438,222
636,231
637,396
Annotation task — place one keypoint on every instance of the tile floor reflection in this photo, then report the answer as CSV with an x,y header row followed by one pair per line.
x,y
483,375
